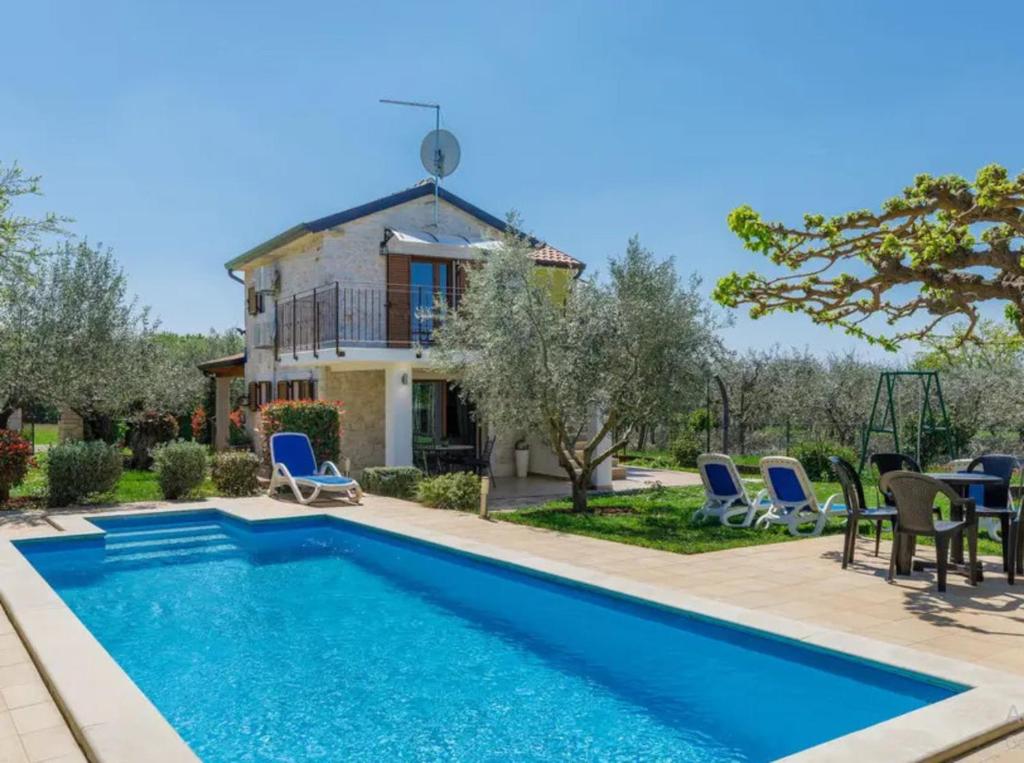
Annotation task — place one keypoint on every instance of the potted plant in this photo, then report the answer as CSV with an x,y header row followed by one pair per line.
x,y
522,458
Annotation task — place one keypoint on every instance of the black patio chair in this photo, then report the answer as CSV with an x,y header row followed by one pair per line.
x,y
481,464
857,509
993,501
892,462
915,495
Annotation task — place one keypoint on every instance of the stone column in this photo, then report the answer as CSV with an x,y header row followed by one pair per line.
x,y
222,412
398,415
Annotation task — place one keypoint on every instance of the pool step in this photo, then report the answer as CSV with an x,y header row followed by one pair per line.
x,y
117,546
151,558
164,532
177,545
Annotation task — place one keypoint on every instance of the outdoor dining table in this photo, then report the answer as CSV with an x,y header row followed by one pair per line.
x,y
438,450
961,482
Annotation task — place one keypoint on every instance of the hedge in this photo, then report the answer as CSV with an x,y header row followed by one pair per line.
x,y
320,420
393,481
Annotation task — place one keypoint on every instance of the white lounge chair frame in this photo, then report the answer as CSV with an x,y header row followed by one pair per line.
x,y
281,477
726,507
794,514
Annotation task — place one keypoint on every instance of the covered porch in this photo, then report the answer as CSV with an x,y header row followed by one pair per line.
x,y
223,371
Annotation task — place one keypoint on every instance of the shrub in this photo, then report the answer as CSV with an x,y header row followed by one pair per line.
x,y
320,420
458,490
234,472
813,456
238,435
686,447
146,430
180,467
78,470
198,424
394,481
15,458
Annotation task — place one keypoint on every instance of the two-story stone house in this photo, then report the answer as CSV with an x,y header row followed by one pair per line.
x,y
331,313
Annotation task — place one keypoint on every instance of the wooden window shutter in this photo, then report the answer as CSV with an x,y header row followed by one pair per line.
x,y
266,392
282,391
399,302
250,300
254,393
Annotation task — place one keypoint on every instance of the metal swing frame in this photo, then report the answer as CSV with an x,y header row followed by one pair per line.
x,y
887,423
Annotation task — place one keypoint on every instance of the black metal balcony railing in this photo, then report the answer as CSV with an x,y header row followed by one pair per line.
x,y
336,317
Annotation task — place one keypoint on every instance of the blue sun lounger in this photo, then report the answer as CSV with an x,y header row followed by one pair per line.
x,y
294,466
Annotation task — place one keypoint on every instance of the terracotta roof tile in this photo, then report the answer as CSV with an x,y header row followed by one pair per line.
x,y
548,255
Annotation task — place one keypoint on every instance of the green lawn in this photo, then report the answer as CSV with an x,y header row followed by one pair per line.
x,y
663,519
45,434
649,459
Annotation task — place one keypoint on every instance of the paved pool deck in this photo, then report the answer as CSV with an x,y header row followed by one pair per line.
x,y
797,588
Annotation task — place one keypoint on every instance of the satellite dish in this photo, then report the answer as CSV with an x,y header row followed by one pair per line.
x,y
440,153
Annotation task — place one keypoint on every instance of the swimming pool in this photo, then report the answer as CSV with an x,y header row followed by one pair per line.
x,y
317,639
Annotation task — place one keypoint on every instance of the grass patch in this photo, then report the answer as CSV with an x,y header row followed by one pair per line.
x,y
648,459
45,434
662,518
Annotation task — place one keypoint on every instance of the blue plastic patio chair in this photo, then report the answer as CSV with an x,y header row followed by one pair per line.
x,y
725,495
294,466
794,503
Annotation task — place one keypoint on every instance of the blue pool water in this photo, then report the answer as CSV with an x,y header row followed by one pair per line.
x,y
317,640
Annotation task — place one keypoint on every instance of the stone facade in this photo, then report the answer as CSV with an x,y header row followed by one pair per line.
x,y
69,426
362,393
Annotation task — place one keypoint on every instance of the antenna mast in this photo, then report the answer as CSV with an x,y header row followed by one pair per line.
x,y
437,137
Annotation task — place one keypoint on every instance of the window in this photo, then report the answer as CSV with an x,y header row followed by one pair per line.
x,y
296,389
253,301
260,393
428,281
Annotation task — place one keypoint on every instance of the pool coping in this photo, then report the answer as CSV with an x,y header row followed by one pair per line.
x,y
115,722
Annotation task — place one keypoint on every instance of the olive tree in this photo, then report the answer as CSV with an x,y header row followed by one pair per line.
x,y
934,253
94,338
583,363
22,241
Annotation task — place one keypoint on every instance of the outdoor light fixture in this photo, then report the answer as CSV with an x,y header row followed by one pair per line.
x,y
405,379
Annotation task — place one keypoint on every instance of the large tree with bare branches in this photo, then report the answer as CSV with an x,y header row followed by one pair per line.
x,y
931,255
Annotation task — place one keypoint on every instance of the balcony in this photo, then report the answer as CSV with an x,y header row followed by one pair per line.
x,y
336,317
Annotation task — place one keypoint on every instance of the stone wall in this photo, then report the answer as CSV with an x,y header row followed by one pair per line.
x,y
362,393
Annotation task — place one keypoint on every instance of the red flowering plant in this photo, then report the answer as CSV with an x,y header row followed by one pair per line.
x,y
15,459
199,424
320,420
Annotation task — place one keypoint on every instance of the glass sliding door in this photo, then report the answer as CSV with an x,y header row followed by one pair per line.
x,y
428,282
440,415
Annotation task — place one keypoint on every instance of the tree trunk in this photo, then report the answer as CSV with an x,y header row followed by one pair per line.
x,y
579,494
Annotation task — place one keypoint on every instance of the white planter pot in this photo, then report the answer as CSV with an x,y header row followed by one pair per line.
x,y
522,463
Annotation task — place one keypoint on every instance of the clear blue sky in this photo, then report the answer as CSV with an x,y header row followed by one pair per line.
x,y
183,133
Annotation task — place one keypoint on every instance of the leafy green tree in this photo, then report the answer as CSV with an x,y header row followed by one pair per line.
x,y
177,385
21,248
93,337
579,363
933,253
21,238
